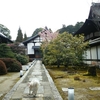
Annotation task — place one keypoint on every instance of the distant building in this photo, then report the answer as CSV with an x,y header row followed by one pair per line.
x,y
33,46
4,39
91,31
33,43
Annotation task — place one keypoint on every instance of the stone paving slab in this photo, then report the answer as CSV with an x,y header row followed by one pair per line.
x,y
36,73
36,98
40,90
46,90
19,92
38,77
94,88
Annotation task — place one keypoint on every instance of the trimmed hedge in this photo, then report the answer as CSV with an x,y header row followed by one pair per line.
x,y
3,69
22,59
5,51
12,64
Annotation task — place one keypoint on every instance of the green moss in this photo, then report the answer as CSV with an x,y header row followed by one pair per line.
x,y
81,87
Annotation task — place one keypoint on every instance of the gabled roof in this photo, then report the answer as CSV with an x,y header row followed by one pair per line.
x,y
94,11
89,26
4,39
30,39
92,24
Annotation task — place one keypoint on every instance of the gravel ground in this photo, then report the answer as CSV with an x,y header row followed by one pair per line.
x,y
7,82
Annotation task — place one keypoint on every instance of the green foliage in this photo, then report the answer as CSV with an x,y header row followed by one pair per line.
x,y
5,51
37,31
3,69
12,64
22,59
19,36
70,28
77,26
25,37
66,49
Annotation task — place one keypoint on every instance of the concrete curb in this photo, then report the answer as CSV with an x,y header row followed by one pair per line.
x,y
10,93
56,94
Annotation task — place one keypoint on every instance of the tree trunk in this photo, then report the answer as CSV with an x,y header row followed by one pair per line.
x,y
92,71
58,63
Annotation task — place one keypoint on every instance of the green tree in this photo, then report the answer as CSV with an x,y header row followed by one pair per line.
x,y
51,52
66,49
78,25
70,28
19,35
25,37
37,31
5,51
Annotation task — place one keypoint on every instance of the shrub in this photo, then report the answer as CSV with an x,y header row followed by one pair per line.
x,y
3,69
12,64
5,51
17,48
22,59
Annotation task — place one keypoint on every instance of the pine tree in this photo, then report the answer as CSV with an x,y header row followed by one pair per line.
x,y
25,37
19,36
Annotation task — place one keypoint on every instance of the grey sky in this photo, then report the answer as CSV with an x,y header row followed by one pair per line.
x,y
32,14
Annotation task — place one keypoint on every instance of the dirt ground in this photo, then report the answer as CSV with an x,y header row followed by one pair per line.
x,y
7,82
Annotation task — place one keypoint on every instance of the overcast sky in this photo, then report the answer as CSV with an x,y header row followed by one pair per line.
x,y
32,14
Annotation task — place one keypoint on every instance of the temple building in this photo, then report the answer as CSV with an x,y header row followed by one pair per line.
x,y
4,39
33,43
91,31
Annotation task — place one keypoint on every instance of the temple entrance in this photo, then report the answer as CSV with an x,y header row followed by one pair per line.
x,y
38,54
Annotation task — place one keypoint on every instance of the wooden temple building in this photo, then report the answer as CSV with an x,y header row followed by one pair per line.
x,y
33,43
33,46
4,39
91,31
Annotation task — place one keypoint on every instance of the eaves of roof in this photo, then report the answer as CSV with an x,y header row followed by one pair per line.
x,y
89,26
31,38
6,39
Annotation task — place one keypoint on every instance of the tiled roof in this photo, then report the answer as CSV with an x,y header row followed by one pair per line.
x,y
4,39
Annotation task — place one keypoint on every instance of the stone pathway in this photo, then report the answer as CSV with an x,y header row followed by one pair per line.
x,y
47,90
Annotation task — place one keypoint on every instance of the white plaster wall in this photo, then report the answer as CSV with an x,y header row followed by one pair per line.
x,y
36,39
94,53
88,56
37,44
98,52
85,57
29,47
